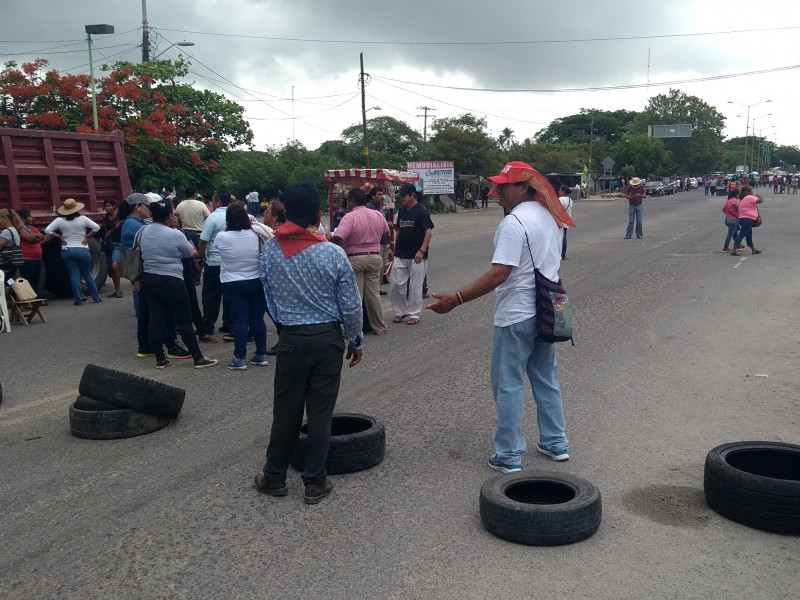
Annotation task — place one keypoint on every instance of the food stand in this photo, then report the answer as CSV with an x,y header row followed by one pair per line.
x,y
341,181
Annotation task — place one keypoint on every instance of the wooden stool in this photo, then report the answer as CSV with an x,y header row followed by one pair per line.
x,y
24,312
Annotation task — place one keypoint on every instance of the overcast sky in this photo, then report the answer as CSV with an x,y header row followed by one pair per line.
x,y
257,51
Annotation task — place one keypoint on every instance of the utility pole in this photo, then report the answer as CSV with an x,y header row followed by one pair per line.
x,y
364,113
591,137
145,34
425,127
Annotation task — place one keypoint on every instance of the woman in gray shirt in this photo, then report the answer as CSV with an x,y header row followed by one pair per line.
x,y
163,248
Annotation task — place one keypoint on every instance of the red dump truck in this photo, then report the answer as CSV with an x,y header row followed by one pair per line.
x,y
41,169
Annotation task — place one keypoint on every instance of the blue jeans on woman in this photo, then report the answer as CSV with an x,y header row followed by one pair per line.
x,y
515,353
745,233
247,304
79,263
634,212
732,225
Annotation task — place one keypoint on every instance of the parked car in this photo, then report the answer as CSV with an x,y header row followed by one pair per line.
x,y
654,188
693,182
670,185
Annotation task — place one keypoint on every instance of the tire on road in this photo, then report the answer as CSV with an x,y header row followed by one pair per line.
x,y
112,424
358,442
756,484
86,403
124,390
540,508
56,278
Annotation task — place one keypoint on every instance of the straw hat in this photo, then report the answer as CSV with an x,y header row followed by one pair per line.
x,y
636,182
70,206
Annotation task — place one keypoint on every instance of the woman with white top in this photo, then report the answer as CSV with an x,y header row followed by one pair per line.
x,y
240,256
566,202
76,230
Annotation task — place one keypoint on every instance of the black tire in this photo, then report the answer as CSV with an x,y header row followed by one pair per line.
x,y
540,508
756,484
124,390
86,403
358,442
112,424
56,278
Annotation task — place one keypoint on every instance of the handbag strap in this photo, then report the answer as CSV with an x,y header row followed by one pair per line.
x,y
527,241
137,239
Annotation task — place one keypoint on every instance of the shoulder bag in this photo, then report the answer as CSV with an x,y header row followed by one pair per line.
x,y
11,257
553,308
131,265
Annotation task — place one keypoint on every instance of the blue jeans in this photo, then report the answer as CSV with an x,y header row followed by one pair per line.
x,y
745,233
248,305
732,225
79,263
634,212
515,352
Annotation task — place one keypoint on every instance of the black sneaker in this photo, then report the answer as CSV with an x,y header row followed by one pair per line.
x,y
205,362
162,364
317,493
179,353
273,489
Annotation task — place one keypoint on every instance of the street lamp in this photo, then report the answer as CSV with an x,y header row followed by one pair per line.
x,y
761,146
183,43
753,150
747,126
97,30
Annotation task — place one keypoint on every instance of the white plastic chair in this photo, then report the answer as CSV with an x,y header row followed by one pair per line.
x,y
5,320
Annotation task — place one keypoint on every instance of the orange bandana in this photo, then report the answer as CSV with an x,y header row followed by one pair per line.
x,y
293,239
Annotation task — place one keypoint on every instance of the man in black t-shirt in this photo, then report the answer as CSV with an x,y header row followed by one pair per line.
x,y
412,237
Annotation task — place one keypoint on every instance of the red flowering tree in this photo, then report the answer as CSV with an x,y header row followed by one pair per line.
x,y
174,133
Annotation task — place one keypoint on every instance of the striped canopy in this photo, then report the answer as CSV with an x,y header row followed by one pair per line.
x,y
370,175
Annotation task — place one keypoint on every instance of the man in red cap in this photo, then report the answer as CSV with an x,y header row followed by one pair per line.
x,y
530,234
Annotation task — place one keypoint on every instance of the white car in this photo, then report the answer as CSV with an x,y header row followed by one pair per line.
x,y
693,182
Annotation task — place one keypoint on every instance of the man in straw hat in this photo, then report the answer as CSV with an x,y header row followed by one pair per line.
x,y
635,194
531,232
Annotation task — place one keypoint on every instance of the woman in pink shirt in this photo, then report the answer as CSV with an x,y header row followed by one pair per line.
x,y
748,213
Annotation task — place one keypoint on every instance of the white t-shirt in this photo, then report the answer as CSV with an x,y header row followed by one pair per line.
x,y
252,197
240,255
73,231
567,203
515,299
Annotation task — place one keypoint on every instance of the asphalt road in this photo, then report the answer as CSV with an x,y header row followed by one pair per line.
x,y
679,348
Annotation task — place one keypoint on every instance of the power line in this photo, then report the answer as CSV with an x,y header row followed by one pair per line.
x,y
62,51
592,89
488,43
353,97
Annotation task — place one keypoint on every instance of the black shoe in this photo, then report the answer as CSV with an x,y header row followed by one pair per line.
x,y
273,489
317,493
382,293
272,351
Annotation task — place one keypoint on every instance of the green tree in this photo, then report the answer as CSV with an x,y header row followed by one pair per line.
x,y
547,157
466,141
648,156
392,143
506,137
788,157
700,153
605,124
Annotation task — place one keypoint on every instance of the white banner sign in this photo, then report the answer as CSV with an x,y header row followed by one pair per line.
x,y
435,176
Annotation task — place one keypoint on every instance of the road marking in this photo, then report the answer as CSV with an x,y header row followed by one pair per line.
x,y
741,260
39,402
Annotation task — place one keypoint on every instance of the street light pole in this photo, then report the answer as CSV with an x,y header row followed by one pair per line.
x,y
183,43
747,127
364,114
96,29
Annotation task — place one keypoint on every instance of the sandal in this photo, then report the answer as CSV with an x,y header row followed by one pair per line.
x,y
399,319
115,295
412,321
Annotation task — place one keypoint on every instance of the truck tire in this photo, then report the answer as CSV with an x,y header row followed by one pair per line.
x,y
112,424
540,508
86,403
56,278
358,442
124,390
756,484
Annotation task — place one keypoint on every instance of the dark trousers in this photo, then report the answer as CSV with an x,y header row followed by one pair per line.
x,y
167,295
142,310
191,291
212,297
32,271
248,305
307,374
564,245
194,237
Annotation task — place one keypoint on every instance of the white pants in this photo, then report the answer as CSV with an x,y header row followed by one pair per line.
x,y
406,278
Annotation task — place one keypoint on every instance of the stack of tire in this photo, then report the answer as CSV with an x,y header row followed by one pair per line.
x,y
114,404
756,484
358,442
